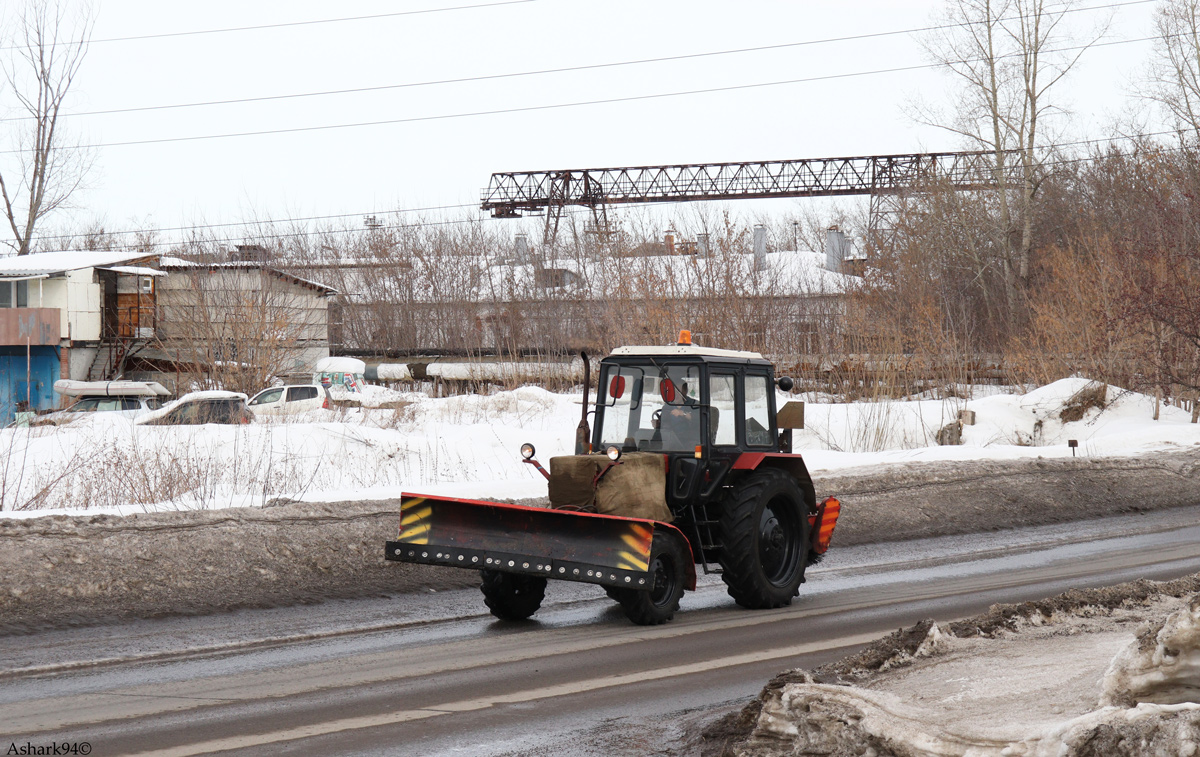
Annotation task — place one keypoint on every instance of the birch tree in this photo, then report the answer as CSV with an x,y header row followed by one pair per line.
x,y
1006,58
42,169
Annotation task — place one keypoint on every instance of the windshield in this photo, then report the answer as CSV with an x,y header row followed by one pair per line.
x,y
103,404
651,407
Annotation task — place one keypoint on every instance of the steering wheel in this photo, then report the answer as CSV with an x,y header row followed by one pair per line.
x,y
656,418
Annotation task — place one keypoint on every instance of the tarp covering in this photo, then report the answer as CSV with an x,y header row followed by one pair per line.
x,y
634,488
571,479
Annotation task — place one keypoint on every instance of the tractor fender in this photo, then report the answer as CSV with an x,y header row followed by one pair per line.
x,y
671,532
791,464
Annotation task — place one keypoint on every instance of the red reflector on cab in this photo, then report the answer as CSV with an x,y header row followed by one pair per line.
x,y
667,390
616,387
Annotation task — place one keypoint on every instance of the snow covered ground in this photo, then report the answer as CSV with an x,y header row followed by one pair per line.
x,y
468,446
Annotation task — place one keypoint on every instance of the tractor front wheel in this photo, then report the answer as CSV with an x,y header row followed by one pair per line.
x,y
658,604
511,596
764,540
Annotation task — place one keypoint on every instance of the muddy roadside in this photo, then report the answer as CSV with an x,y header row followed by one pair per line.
x,y
61,571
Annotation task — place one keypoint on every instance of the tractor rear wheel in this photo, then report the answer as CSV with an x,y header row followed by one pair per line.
x,y
657,604
764,540
512,596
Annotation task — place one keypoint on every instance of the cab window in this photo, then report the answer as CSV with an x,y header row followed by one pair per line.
x,y
758,411
651,407
722,413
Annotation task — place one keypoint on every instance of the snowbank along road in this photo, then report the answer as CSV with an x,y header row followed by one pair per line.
x,y
63,570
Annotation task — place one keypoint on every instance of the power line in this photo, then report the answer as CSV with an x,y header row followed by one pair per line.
x,y
248,224
280,25
540,72
557,106
252,235
402,211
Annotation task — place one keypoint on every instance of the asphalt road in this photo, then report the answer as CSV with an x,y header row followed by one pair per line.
x,y
432,674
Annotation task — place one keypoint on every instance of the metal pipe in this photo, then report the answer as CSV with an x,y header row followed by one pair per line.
x,y
583,432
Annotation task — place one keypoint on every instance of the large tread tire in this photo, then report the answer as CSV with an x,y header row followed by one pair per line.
x,y
512,596
658,604
764,540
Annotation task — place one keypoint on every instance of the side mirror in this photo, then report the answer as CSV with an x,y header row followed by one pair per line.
x,y
785,383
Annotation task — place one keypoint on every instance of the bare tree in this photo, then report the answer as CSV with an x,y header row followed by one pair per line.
x,y
1007,56
1175,69
48,44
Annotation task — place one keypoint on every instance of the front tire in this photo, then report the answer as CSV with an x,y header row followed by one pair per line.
x,y
512,596
658,604
764,540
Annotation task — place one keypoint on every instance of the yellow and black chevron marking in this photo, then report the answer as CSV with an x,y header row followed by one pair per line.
x,y
630,561
638,539
415,521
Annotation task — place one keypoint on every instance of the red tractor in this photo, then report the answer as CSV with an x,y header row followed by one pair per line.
x,y
689,463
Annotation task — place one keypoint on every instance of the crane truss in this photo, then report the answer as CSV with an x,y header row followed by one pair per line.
x,y
509,195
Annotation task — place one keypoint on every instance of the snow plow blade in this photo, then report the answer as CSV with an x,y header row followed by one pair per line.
x,y
561,544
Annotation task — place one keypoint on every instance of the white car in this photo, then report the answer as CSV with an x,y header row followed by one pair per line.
x,y
290,400
128,399
198,408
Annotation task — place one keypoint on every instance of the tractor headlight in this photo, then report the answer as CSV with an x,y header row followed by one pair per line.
x,y
613,452
527,451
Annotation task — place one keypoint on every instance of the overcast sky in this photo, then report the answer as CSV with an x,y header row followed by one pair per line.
x,y
447,161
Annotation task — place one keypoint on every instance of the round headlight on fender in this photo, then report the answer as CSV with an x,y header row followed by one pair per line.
x,y
613,452
527,451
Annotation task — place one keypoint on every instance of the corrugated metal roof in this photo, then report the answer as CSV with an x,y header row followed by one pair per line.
x,y
180,264
47,263
787,274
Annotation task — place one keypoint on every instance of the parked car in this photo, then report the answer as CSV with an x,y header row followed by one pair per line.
x,y
290,400
129,399
200,407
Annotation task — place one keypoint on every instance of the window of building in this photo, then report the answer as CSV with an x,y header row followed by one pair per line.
x,y
14,294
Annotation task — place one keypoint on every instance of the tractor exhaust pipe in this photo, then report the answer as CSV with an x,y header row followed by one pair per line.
x,y
583,433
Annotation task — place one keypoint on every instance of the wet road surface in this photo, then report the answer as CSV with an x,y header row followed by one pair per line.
x,y
433,674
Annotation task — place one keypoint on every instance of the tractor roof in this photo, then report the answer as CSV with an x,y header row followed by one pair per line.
x,y
685,350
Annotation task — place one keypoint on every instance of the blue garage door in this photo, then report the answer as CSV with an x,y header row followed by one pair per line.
x,y
42,371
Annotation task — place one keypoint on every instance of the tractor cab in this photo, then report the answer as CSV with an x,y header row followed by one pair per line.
x,y
699,407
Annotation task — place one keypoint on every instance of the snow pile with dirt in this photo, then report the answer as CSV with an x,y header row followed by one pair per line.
x,y
386,442
1104,420
1040,684
1162,666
